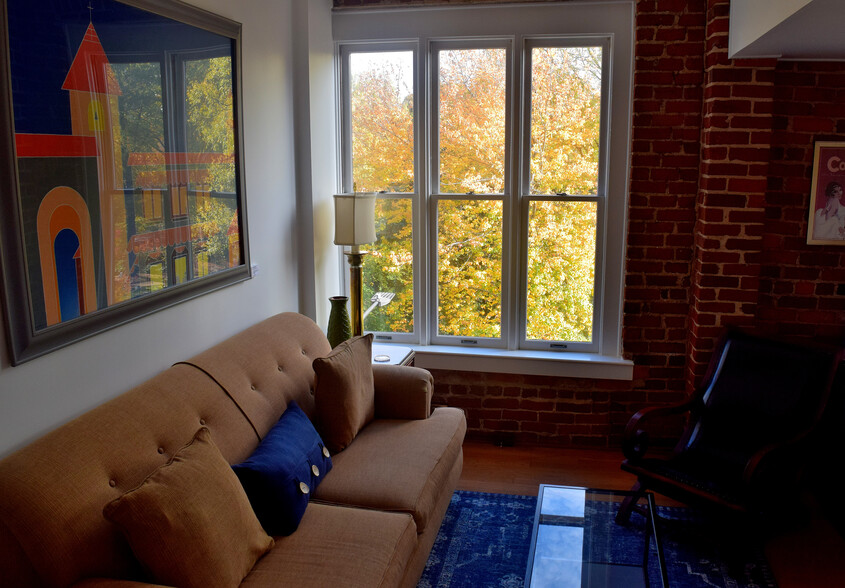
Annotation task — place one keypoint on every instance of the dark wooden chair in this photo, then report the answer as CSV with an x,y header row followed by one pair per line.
x,y
746,431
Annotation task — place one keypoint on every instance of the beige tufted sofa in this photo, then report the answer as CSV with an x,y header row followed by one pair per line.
x,y
371,522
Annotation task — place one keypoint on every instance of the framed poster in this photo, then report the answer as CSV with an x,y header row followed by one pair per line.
x,y
122,164
827,208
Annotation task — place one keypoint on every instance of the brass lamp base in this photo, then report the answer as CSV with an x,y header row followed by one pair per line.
x,y
355,257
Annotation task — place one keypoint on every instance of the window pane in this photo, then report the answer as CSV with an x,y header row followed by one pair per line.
x,y
141,172
469,268
156,277
561,270
141,125
180,269
565,119
382,117
208,166
472,121
210,135
389,269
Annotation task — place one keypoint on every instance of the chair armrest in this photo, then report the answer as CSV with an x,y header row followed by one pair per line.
x,y
776,466
402,392
113,583
635,438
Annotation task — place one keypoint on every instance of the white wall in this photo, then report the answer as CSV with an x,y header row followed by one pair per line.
x,y
787,29
43,393
314,107
751,19
328,263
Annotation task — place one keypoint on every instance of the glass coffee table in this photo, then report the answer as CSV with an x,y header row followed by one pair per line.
x,y
576,542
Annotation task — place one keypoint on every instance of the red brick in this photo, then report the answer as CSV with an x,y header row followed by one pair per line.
x,y
747,185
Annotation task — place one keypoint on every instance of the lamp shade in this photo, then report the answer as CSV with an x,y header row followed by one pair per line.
x,y
354,218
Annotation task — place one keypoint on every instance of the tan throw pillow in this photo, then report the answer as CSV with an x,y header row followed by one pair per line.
x,y
190,523
344,396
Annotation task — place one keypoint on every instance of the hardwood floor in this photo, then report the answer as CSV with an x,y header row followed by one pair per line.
x,y
812,556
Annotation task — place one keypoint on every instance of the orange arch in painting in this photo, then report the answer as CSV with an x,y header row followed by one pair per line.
x,y
63,208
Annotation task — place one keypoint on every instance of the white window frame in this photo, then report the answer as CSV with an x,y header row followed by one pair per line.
x,y
345,179
435,196
525,196
609,23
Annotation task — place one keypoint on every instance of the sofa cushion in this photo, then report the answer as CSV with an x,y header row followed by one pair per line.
x,y
339,546
190,523
283,471
398,465
344,396
263,368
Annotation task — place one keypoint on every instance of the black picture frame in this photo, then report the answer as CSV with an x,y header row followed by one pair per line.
x,y
184,239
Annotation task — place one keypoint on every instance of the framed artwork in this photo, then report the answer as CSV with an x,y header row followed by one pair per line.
x,y
122,164
827,208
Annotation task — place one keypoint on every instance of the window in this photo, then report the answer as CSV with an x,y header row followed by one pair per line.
x,y
178,201
201,268
469,155
152,204
501,166
381,156
156,277
179,265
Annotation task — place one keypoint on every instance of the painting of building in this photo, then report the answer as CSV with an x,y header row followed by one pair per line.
x,y
104,223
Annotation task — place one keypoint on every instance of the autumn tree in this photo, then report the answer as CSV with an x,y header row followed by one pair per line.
x,y
472,121
211,131
211,127
382,107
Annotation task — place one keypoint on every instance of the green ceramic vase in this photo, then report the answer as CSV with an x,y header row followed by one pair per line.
x,y
339,329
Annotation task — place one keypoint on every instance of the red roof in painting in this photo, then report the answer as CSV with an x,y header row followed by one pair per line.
x,y
28,145
90,70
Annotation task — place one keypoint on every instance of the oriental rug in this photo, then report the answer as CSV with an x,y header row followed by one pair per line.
x,y
485,538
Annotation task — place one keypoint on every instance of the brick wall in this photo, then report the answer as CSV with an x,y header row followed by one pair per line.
x,y
721,166
802,287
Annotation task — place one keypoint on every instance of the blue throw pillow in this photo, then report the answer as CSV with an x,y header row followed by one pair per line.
x,y
283,471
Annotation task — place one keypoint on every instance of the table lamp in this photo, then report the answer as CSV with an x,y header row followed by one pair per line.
x,y
355,225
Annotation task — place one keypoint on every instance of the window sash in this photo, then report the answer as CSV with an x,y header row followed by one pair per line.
x,y
591,346
435,196
526,197
347,184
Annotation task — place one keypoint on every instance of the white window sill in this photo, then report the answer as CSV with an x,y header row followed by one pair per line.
x,y
537,363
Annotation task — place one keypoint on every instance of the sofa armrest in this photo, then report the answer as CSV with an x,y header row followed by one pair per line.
x,y
113,583
402,392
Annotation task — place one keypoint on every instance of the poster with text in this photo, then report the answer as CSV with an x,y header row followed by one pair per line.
x,y
827,207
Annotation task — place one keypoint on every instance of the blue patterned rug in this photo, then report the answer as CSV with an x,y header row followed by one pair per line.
x,y
485,539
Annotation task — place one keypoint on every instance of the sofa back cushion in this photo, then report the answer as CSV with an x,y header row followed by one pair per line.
x,y
265,367
344,396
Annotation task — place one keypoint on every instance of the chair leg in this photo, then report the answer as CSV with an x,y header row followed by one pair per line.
x,y
629,503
